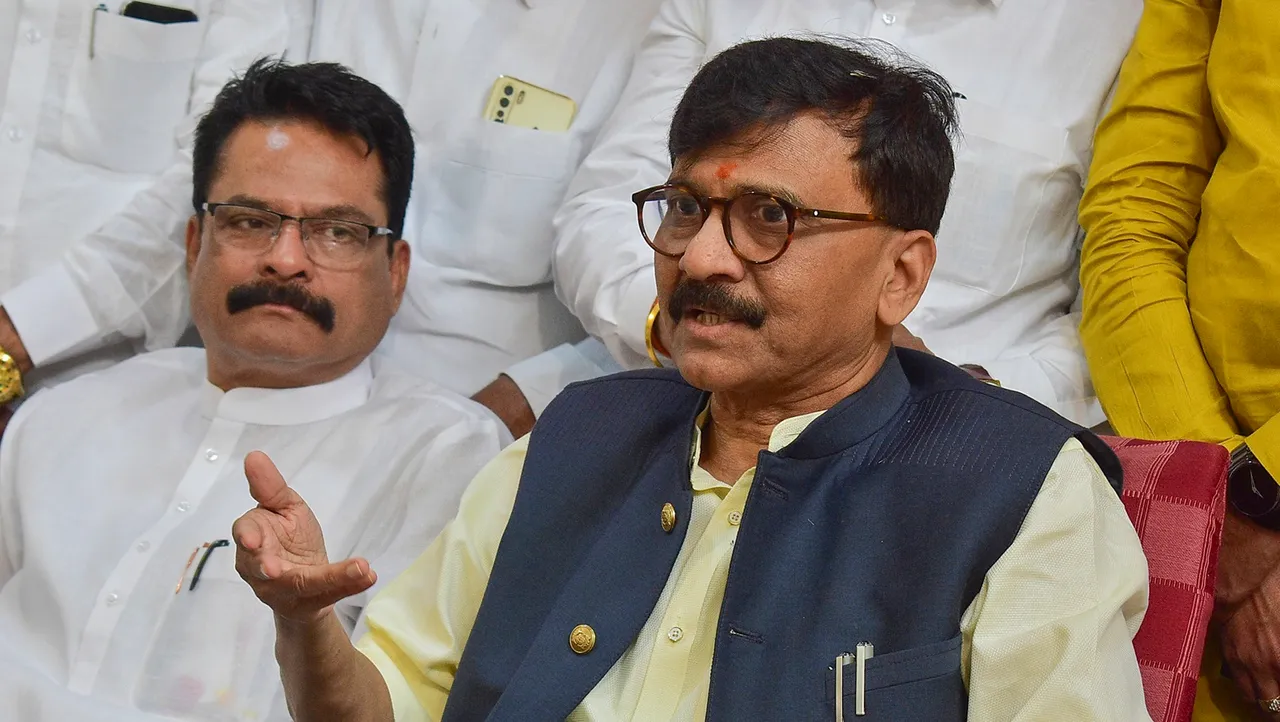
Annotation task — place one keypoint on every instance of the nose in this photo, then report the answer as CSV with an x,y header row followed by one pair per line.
x,y
287,258
709,257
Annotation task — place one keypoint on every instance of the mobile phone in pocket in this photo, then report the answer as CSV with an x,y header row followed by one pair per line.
x,y
516,102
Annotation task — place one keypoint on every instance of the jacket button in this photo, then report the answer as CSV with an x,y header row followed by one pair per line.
x,y
582,639
668,517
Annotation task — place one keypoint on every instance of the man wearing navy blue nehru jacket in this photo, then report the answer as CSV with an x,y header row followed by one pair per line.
x,y
803,522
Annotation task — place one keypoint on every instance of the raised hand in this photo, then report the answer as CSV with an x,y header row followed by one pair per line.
x,y
280,550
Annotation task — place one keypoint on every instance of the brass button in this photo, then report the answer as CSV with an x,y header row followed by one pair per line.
x,y
582,639
668,517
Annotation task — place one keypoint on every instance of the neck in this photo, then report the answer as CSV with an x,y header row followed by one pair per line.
x,y
274,375
740,424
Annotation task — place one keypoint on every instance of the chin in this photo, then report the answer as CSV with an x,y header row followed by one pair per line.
x,y
280,345
715,371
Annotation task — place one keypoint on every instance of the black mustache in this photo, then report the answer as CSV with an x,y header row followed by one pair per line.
x,y
247,295
715,299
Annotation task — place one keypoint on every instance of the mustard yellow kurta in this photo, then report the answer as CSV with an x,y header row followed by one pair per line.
x,y
1181,264
1048,637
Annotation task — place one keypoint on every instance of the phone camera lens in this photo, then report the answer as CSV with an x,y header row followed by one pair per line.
x,y
509,90
504,102
501,113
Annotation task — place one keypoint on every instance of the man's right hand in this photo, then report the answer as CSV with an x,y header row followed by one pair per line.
x,y
280,550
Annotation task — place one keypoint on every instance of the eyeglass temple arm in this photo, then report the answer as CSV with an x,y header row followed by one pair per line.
x,y
837,215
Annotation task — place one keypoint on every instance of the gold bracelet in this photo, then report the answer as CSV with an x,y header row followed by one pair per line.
x,y
654,310
10,378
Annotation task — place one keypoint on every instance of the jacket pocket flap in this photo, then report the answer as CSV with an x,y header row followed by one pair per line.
x,y
910,665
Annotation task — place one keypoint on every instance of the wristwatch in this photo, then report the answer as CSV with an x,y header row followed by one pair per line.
x,y
1252,490
10,378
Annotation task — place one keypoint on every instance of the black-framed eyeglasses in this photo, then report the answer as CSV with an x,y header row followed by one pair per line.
x,y
330,242
758,226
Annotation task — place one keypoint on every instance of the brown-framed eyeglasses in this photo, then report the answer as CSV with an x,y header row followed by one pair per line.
x,y
758,226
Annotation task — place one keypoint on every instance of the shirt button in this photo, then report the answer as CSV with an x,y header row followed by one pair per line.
x,y
112,598
15,134
211,454
34,35
143,546
675,634
735,517
184,506
889,18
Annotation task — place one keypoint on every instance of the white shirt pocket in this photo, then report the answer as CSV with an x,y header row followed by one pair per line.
x,y
211,647
1003,163
124,104
488,199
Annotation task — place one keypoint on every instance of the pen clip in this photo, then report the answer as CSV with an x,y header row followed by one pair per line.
x,y
93,26
863,652
839,668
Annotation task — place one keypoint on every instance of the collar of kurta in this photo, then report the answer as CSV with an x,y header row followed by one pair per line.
x,y
289,407
858,416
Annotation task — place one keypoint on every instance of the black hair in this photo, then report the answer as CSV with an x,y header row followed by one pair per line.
x,y
325,93
901,115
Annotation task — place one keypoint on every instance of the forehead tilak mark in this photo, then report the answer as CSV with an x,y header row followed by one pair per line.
x,y
277,139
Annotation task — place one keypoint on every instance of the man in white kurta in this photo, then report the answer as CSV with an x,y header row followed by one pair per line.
x,y
118,596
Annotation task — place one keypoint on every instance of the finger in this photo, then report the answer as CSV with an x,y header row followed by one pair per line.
x,y
266,485
1242,671
247,533
257,550
324,585
256,567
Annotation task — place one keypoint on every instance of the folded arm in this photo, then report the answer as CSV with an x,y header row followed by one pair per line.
x,y
1153,156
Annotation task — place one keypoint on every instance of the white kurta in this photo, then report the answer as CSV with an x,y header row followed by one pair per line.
x,y
109,485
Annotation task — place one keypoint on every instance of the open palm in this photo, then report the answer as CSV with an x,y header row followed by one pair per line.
x,y
280,550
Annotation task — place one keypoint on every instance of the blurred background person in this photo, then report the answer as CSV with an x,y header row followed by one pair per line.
x,y
1181,268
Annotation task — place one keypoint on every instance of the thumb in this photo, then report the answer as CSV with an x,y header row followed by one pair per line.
x,y
266,485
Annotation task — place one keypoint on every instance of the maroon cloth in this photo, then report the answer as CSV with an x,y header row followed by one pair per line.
x,y
1175,493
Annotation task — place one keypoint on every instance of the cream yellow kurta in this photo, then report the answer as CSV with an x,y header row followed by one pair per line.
x,y
1048,637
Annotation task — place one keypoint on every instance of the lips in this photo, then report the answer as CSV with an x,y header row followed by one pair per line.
x,y
710,305
709,318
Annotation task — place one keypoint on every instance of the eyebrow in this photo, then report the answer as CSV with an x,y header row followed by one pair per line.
x,y
341,212
741,188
